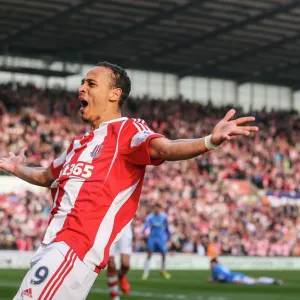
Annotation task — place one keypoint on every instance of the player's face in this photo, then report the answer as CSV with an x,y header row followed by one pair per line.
x,y
157,210
97,94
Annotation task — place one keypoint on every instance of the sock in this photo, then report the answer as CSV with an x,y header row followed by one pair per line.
x,y
265,280
163,266
112,281
147,267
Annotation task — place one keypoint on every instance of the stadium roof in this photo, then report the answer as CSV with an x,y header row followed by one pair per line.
x,y
243,40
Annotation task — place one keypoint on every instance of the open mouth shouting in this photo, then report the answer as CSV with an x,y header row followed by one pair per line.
x,y
84,104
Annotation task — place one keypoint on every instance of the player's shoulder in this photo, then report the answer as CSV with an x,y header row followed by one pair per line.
x,y
138,125
164,215
136,131
150,216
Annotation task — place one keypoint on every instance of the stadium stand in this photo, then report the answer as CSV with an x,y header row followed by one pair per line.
x,y
205,214
193,59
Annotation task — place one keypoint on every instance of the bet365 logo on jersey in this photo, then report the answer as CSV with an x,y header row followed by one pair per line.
x,y
80,169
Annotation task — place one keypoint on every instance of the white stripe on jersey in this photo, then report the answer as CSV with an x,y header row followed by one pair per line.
x,y
61,159
142,125
98,139
139,123
145,125
137,127
116,151
96,254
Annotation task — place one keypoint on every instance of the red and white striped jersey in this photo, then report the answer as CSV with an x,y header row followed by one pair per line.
x,y
98,186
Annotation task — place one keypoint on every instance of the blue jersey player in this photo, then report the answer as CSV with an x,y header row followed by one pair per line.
x,y
159,235
222,274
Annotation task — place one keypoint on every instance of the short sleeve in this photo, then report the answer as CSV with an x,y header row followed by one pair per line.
x,y
134,143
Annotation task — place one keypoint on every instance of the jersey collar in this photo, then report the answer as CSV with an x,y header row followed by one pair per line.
x,y
106,123
112,121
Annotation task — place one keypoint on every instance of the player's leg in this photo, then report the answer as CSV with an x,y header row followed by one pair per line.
x,y
151,244
269,281
57,274
125,249
244,279
125,265
147,265
163,249
151,248
112,274
241,278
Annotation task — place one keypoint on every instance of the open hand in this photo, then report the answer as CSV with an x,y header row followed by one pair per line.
x,y
226,128
9,163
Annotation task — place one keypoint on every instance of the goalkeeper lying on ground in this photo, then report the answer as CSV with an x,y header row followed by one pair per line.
x,y
222,274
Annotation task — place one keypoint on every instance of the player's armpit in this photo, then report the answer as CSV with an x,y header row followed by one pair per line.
x,y
49,178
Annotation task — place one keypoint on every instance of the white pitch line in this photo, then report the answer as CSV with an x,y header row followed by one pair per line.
x,y
144,294
137,293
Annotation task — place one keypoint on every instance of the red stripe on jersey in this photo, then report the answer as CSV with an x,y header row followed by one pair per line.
x,y
55,209
54,191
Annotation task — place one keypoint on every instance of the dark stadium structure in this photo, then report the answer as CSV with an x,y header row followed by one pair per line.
x,y
242,40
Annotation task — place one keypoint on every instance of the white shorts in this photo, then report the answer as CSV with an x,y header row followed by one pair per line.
x,y
56,273
124,244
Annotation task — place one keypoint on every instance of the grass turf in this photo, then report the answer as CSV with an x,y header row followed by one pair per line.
x,y
184,285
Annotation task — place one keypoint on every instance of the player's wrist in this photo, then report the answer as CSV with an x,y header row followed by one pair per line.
x,y
12,169
208,144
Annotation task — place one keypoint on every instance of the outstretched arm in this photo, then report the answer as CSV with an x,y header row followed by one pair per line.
x,y
15,165
171,150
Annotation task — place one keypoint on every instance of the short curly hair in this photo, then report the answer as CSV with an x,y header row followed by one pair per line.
x,y
120,79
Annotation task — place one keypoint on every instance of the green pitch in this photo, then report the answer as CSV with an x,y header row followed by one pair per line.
x,y
184,285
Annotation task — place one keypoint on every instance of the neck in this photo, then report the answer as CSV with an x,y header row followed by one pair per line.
x,y
95,124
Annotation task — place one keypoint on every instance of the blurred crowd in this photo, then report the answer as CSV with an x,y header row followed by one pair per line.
x,y
205,213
